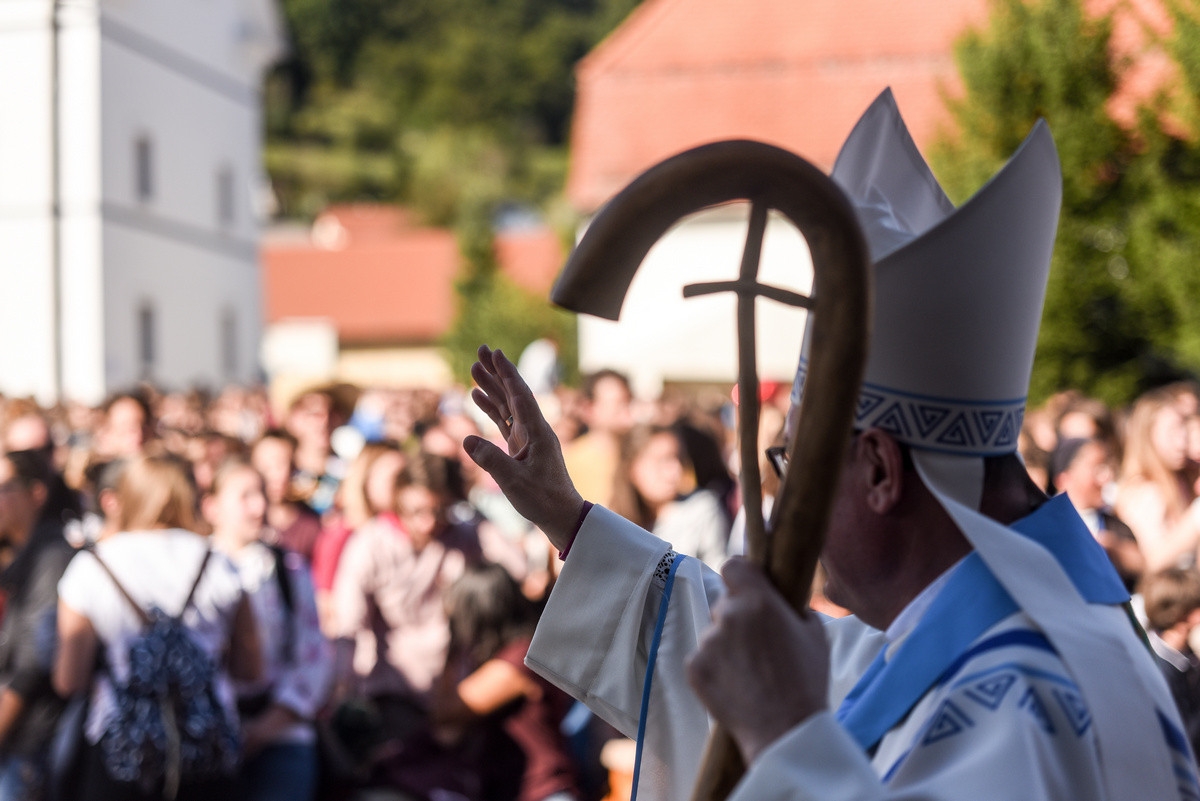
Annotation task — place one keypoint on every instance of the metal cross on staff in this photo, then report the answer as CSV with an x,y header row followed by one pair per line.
x,y
596,279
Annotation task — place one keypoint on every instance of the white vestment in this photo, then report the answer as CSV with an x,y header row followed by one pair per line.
x,y
1006,722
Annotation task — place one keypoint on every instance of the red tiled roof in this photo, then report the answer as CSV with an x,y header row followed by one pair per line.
x,y
382,280
532,258
398,290
796,73
1137,26
364,222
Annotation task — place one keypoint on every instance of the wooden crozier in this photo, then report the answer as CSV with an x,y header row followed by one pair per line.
x,y
596,279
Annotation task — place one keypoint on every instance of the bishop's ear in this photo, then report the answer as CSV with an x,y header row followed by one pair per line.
x,y
880,460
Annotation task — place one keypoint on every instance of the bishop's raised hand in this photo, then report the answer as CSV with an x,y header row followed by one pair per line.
x,y
532,474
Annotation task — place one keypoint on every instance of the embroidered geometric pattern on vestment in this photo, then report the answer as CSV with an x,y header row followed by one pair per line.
x,y
664,569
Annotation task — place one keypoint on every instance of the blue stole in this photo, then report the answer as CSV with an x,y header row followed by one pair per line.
x,y
971,602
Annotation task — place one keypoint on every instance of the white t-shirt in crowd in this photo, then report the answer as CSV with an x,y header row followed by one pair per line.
x,y
157,568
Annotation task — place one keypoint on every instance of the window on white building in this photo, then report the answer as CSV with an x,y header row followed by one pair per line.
x,y
144,167
146,324
226,204
229,344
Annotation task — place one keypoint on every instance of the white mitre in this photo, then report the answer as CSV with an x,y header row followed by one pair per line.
x,y
958,292
958,301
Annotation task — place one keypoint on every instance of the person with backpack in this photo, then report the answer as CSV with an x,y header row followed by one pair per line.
x,y
34,504
277,709
153,624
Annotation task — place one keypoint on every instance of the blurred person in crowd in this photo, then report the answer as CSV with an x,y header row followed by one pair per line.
x,y
1039,422
771,447
156,556
1088,418
539,364
503,544
180,418
568,421
207,451
486,693
505,536
1083,468
399,415
1186,395
278,710
704,445
98,498
1155,496
1035,459
34,505
367,497
126,427
293,523
311,418
81,422
387,615
592,457
647,489
234,414
27,428
1172,603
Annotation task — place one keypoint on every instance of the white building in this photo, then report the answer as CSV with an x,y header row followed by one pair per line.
x,y
130,172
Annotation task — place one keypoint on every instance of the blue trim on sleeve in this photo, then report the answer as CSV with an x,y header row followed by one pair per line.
x,y
655,640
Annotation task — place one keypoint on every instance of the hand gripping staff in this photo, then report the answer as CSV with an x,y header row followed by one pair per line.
x,y
596,279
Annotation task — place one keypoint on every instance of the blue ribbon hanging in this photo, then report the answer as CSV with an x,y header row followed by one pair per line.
x,y
655,640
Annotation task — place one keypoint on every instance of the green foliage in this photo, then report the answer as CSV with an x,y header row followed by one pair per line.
x,y
456,108
500,314
383,81
495,311
1120,312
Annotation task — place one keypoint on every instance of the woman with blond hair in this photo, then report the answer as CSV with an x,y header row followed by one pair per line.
x,y
1155,497
153,565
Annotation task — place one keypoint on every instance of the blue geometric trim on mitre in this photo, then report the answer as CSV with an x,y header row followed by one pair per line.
x,y
966,428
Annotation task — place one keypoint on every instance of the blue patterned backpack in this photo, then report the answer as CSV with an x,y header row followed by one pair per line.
x,y
170,727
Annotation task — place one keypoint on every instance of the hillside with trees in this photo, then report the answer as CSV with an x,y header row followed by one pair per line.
x,y
442,105
458,109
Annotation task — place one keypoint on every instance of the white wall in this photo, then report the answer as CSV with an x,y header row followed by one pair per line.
x,y
26,233
82,231
185,74
663,337
170,250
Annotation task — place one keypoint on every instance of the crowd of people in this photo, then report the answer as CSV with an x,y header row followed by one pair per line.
x,y
207,596
359,595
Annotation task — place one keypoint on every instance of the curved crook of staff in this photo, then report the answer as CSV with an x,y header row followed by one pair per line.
x,y
596,279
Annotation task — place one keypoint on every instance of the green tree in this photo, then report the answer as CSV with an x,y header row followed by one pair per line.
x,y
457,108
371,83
1116,318
495,311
